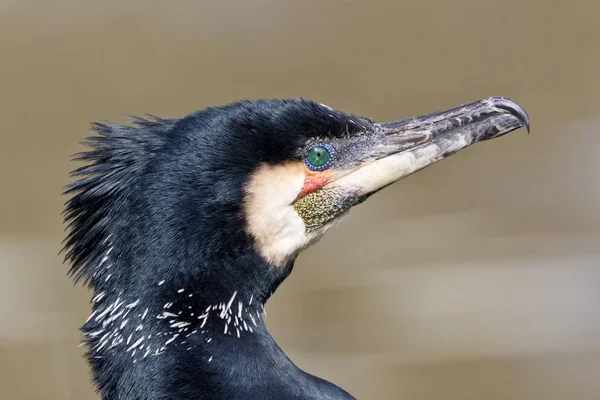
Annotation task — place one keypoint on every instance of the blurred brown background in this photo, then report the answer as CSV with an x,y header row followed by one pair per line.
x,y
478,278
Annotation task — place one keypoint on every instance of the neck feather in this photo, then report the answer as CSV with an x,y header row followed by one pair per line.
x,y
190,335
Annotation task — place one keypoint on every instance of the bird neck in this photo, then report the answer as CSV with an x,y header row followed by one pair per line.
x,y
200,336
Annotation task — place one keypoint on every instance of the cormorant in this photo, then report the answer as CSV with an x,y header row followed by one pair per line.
x,y
184,228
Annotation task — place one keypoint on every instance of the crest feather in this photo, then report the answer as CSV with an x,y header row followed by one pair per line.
x,y
117,157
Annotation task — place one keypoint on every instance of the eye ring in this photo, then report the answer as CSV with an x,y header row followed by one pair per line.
x,y
319,156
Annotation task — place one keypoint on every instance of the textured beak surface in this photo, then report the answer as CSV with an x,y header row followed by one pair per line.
x,y
406,146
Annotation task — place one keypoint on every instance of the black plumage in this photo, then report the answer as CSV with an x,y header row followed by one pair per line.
x,y
165,196
160,229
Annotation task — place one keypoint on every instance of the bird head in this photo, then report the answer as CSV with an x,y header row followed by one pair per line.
x,y
230,195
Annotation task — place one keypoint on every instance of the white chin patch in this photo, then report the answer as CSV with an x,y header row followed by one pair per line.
x,y
278,231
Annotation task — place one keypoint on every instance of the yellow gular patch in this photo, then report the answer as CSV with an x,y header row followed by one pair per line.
x,y
278,231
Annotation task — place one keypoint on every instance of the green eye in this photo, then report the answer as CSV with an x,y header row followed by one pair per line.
x,y
318,157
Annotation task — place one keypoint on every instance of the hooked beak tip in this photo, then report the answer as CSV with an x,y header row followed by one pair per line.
x,y
513,108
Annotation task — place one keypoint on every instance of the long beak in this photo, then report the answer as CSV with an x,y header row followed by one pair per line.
x,y
409,145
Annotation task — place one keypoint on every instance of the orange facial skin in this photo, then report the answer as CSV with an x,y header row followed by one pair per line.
x,y
313,180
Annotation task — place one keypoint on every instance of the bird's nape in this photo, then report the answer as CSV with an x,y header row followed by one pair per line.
x,y
185,227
